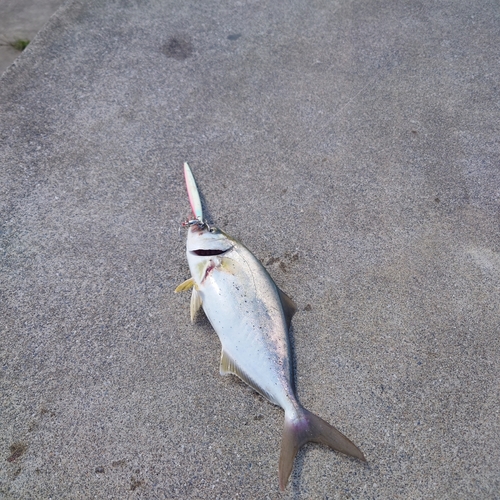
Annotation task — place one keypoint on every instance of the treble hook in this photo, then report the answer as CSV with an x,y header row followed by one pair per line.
x,y
201,224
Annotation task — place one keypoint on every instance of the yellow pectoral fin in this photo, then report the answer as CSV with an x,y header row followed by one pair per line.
x,y
228,265
186,285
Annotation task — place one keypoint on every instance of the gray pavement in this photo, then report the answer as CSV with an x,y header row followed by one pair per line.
x,y
353,146
21,20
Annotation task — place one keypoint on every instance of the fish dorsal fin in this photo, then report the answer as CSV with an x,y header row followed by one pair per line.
x,y
289,307
229,366
185,285
195,303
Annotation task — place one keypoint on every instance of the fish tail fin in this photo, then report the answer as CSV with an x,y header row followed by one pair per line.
x,y
305,428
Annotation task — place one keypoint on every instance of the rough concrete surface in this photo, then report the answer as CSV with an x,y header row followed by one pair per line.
x,y
354,146
21,19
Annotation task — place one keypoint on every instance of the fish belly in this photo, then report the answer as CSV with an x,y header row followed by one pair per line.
x,y
245,311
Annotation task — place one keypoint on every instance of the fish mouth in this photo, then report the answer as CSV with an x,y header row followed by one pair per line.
x,y
201,252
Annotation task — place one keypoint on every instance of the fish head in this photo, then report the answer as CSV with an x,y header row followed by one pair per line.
x,y
205,248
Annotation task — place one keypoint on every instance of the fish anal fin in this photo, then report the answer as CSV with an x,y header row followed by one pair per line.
x,y
185,285
306,428
196,303
228,366
289,307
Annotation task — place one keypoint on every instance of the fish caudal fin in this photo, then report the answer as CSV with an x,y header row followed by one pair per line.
x,y
310,428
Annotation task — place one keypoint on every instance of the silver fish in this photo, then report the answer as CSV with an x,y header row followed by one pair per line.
x,y
251,316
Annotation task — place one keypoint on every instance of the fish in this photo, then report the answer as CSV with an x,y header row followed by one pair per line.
x,y
251,317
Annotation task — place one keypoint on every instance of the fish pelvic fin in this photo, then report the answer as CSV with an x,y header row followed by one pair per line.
x,y
195,302
305,428
185,285
195,297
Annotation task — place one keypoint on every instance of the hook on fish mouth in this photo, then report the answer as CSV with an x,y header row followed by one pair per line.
x,y
197,222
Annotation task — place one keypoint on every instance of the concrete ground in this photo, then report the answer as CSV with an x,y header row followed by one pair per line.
x,y
21,19
352,145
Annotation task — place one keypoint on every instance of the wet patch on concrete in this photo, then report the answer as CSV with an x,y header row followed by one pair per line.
x,y
178,47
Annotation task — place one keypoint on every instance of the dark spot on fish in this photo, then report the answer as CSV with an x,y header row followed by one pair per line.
x,y
258,417
17,472
234,37
178,47
207,253
99,470
282,266
414,132
437,200
16,451
283,191
308,308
